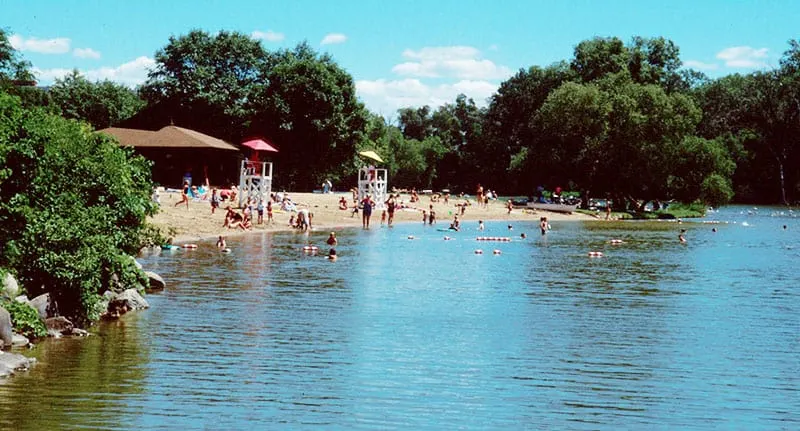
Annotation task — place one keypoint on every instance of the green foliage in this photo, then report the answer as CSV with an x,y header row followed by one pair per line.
x,y
683,210
716,190
71,204
102,104
25,319
12,66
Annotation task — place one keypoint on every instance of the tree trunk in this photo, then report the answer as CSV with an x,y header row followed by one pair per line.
x,y
783,181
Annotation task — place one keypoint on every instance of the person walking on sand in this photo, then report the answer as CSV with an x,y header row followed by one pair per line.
x,y
214,200
366,211
184,195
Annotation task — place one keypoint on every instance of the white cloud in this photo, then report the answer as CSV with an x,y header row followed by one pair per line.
x,y
744,57
85,53
387,96
59,45
131,73
461,62
333,38
47,76
268,35
699,65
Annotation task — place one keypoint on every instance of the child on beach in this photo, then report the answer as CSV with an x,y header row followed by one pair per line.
x,y
221,242
291,221
383,217
214,200
269,212
424,217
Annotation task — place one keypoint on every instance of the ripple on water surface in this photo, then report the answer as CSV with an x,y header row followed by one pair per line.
x,y
424,333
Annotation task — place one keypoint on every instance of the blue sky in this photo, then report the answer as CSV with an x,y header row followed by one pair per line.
x,y
400,53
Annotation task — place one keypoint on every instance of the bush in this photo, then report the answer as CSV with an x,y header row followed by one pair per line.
x,y
716,190
25,319
73,205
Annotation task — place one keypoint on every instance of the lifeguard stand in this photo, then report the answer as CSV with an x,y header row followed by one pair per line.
x,y
373,181
255,181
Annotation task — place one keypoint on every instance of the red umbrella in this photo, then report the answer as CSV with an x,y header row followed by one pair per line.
x,y
257,145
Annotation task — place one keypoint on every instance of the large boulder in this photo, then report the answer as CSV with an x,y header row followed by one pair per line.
x,y
42,305
58,326
126,301
6,328
10,286
12,362
156,282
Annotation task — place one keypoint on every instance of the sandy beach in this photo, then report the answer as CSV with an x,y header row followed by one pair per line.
x,y
197,223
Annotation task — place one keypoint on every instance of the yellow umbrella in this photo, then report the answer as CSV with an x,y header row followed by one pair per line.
x,y
372,155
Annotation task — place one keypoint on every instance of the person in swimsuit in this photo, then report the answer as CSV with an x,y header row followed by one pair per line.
x,y
390,207
543,225
366,211
332,241
214,200
184,195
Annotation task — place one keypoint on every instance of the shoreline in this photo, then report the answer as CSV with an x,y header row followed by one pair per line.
x,y
198,224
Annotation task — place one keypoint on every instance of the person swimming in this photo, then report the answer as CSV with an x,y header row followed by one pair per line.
x,y
332,239
221,242
682,237
332,254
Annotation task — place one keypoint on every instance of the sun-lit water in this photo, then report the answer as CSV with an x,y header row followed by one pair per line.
x,y
425,334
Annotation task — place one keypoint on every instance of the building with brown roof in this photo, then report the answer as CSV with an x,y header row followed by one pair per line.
x,y
177,153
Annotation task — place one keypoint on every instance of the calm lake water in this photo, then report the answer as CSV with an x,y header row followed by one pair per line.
x,y
425,334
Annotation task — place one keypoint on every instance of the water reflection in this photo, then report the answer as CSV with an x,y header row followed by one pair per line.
x,y
425,333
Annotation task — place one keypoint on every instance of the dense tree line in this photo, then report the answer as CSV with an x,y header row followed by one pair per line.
x,y
616,119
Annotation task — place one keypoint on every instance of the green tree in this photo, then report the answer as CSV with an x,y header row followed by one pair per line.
x,y
207,82
102,104
310,109
12,66
73,208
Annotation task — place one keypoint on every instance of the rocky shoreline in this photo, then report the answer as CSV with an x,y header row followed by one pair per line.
x,y
115,302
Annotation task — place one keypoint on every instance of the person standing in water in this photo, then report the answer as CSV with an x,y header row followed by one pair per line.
x,y
682,237
332,241
366,211
543,225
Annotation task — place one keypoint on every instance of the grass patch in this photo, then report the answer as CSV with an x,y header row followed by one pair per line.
x,y
673,211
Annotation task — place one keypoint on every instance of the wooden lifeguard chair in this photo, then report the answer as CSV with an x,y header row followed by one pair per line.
x,y
373,181
255,182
